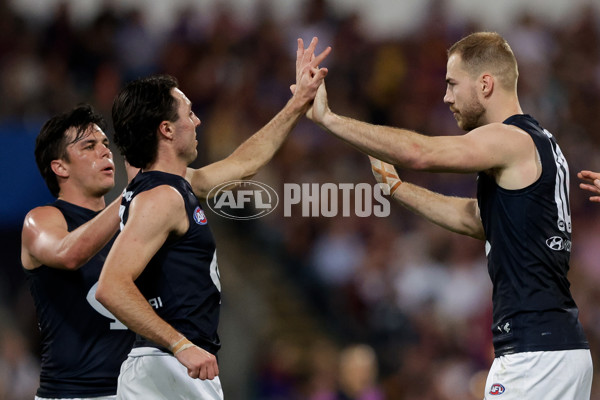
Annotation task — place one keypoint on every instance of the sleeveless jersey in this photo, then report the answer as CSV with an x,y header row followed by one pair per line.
x,y
528,246
181,281
82,344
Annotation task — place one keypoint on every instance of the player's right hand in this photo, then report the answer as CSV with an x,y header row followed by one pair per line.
x,y
200,363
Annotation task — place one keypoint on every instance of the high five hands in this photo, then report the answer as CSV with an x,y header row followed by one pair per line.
x,y
307,68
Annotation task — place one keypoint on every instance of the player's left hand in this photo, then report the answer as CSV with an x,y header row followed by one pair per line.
x,y
386,176
591,183
200,363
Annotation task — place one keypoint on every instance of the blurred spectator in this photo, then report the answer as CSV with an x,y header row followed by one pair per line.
x,y
412,294
19,369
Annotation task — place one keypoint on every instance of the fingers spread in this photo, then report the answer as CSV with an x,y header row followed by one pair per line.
x,y
319,59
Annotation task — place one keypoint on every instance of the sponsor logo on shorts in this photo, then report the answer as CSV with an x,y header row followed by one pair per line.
x,y
497,389
199,216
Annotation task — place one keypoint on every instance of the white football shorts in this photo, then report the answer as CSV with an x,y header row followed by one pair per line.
x,y
548,375
80,398
151,374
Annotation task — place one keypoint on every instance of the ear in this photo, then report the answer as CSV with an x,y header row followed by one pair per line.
x,y
60,168
486,84
165,129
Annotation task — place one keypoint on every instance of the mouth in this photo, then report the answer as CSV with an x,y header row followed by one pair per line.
x,y
108,170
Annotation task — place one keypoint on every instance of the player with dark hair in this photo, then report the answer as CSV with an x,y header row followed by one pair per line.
x,y
521,212
161,277
64,245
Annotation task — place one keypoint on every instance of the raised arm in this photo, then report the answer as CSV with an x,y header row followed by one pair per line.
x,y
493,146
258,150
46,240
460,215
153,217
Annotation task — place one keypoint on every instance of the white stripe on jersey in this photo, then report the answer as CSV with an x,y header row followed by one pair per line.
x,y
561,190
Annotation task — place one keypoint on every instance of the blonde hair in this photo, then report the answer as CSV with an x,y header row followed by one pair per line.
x,y
488,52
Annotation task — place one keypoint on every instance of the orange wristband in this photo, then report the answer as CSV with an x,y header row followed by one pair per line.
x,y
395,187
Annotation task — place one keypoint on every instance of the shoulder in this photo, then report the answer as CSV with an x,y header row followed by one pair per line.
x,y
39,223
159,194
501,130
163,205
500,137
43,216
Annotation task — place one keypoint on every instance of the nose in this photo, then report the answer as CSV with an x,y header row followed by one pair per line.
x,y
448,98
197,121
105,151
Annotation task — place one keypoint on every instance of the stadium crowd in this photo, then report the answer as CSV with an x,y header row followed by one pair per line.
x,y
417,297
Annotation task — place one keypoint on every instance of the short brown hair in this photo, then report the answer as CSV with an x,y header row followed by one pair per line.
x,y
488,52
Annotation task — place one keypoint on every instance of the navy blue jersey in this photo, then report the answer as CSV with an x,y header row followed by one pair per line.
x,y
528,233
181,281
83,345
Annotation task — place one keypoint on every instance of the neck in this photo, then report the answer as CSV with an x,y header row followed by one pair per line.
x,y
170,165
502,108
94,203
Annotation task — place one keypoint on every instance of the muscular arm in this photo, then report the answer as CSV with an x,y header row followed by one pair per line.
x,y
258,150
46,240
250,156
494,146
153,217
460,215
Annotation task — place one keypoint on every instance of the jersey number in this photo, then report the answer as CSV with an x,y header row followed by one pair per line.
x,y
91,298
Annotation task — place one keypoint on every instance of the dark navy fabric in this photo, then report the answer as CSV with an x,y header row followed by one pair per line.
x,y
83,346
181,281
528,245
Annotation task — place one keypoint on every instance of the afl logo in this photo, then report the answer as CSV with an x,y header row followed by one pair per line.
x,y
497,389
199,216
248,200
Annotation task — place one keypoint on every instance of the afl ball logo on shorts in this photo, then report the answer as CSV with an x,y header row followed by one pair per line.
x,y
199,216
497,389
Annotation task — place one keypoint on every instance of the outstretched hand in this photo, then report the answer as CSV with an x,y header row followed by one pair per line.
x,y
386,176
309,76
591,183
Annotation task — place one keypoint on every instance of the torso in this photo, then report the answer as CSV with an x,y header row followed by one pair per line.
x,y
181,281
528,233
83,345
